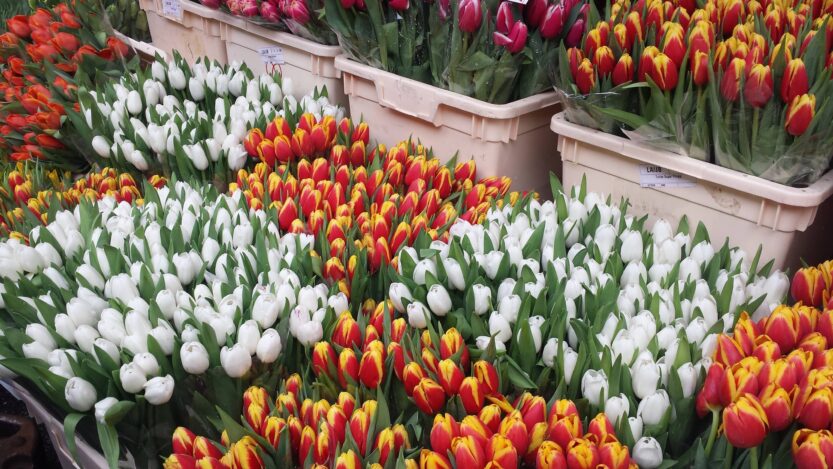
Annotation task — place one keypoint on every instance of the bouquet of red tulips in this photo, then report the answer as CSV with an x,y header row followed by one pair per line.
x,y
702,82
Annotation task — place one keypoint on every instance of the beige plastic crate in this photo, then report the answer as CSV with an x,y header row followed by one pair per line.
x,y
197,34
504,139
790,223
308,63
88,457
145,50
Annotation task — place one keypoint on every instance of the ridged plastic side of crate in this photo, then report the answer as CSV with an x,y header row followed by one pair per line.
x,y
308,63
505,140
197,34
789,223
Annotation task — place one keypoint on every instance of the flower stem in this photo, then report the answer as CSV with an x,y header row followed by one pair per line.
x,y
753,456
712,433
756,118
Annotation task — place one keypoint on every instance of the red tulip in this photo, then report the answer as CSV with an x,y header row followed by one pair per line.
x,y
585,77
664,72
604,61
812,449
623,71
777,405
758,88
553,22
794,82
582,454
730,84
745,422
515,41
428,396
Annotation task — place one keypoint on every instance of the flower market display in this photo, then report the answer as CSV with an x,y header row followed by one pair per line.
x,y
202,268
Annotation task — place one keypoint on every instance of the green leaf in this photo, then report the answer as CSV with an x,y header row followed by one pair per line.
x,y
70,423
109,440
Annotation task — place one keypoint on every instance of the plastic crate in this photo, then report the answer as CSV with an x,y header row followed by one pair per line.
x,y
790,223
504,139
308,63
197,34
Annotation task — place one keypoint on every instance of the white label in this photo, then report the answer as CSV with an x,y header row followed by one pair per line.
x,y
658,177
271,55
172,8
522,2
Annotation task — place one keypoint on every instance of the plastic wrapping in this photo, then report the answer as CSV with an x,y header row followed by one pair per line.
x,y
314,30
755,140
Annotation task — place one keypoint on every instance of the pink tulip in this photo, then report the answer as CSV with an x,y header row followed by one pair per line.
x,y
398,5
249,7
504,20
211,3
471,15
553,22
534,12
297,10
445,9
515,41
575,34
269,12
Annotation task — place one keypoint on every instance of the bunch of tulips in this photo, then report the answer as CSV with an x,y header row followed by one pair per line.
x,y
813,285
43,54
298,16
29,192
323,179
770,376
296,430
744,86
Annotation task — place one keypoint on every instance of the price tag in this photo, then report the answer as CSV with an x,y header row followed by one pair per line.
x,y
657,177
271,55
172,8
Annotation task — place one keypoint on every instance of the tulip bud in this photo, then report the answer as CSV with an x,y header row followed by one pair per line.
x,y
159,390
429,396
623,71
800,114
80,394
745,422
647,452
235,360
585,76
794,82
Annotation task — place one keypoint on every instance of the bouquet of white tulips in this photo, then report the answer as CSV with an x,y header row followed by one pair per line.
x,y
173,118
584,299
147,317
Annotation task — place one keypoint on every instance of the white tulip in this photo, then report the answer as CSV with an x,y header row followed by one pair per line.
x,y
482,299
159,390
90,275
80,394
617,408
176,78
418,315
310,333
688,375
499,327
65,327
338,303
421,270
594,386
661,231
625,346
102,406
483,343
166,302
398,293
81,312
112,330
235,360
439,300
196,88
248,336
645,376
631,249
689,270
85,336
185,271
570,360
158,71
194,357
491,263
696,330
134,102
269,346
653,407
111,349
132,378
101,146
509,307
647,452
535,324
165,337
147,363
41,335
635,425
456,280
